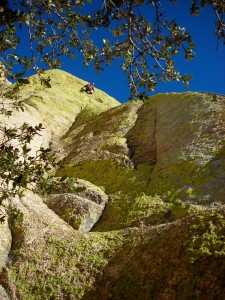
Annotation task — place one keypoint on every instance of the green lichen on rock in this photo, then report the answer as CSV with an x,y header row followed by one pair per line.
x,y
187,146
129,203
164,148
155,264
60,269
147,262
103,133
159,164
62,101
116,177
122,183
5,240
207,236
80,207
17,227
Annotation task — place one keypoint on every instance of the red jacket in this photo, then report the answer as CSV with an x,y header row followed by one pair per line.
x,y
90,87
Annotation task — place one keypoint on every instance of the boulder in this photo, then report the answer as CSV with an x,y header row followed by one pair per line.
x,y
80,209
79,212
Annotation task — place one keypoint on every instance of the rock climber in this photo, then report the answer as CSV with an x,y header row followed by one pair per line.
x,y
89,88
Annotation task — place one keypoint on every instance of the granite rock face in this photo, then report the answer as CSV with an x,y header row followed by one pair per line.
x,y
3,294
145,219
81,209
5,241
161,159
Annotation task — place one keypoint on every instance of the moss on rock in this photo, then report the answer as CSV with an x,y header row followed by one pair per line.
x,y
160,163
165,149
150,262
61,269
58,104
155,263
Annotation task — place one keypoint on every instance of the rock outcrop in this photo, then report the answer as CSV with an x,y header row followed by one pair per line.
x,y
80,209
161,159
145,219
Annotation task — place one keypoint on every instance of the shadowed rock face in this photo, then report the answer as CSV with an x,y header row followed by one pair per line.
x,y
141,137
146,219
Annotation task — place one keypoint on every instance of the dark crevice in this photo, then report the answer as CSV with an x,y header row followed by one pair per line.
x,y
141,138
131,150
7,285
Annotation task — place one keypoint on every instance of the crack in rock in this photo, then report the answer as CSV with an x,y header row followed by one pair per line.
x,y
141,137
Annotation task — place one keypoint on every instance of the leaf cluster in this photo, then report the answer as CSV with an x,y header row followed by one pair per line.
x,y
138,33
148,46
219,10
19,167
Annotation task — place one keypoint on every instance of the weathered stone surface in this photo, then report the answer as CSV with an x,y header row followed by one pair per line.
x,y
141,137
5,246
39,220
79,212
80,209
91,192
102,137
84,189
172,149
178,260
148,262
3,294
157,167
59,105
189,141
5,240
56,107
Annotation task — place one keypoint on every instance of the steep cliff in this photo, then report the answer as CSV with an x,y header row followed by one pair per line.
x,y
159,160
146,220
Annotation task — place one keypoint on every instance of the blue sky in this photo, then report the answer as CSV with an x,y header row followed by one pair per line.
x,y
207,68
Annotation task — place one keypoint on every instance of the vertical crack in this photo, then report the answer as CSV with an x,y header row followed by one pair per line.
x,y
141,138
